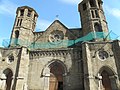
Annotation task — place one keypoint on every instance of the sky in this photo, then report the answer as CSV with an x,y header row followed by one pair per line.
x,y
67,11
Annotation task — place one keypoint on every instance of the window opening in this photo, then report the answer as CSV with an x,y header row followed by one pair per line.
x,y
11,58
84,6
97,27
35,16
16,36
29,13
96,13
92,12
92,3
22,12
18,22
99,4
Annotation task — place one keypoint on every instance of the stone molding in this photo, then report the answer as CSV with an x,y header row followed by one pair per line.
x,y
53,53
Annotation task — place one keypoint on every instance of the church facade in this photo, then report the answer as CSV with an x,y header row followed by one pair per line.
x,y
61,58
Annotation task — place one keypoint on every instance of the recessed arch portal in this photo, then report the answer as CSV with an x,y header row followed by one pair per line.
x,y
46,69
8,74
108,80
97,27
106,83
56,71
56,76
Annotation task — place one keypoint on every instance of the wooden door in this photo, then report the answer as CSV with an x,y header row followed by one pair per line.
x,y
53,82
56,77
106,81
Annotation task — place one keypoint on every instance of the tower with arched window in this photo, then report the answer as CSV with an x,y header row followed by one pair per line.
x,y
92,17
24,25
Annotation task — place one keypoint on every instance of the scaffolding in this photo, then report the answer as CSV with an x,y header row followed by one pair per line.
x,y
65,43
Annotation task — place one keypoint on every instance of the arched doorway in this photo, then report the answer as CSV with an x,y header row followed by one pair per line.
x,y
56,76
106,83
8,73
108,80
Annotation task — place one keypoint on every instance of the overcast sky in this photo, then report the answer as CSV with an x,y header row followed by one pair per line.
x,y
48,9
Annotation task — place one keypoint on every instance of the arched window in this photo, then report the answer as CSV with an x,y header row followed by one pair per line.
x,y
21,12
16,36
8,73
92,3
29,13
100,2
97,27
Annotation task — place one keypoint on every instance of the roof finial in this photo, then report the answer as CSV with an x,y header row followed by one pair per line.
x,y
57,17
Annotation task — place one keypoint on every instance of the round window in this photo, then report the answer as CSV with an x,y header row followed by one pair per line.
x,y
103,55
56,37
10,59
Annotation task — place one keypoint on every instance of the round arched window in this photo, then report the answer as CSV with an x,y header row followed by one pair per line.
x,y
10,58
103,55
97,27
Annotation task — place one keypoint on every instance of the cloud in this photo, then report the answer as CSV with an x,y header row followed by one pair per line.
x,y
42,24
113,11
73,2
7,7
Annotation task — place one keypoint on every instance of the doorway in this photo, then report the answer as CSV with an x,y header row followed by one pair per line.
x,y
56,76
8,73
106,83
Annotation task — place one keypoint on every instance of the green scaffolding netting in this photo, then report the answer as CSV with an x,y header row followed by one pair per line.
x,y
65,43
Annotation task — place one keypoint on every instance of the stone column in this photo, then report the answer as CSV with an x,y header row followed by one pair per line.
x,y
99,77
23,70
89,79
3,82
46,81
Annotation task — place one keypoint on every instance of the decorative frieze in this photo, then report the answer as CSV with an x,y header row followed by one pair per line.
x,y
53,53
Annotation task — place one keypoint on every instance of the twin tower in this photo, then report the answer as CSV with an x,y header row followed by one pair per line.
x,y
91,13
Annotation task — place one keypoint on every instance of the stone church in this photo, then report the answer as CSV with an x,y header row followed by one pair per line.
x,y
61,58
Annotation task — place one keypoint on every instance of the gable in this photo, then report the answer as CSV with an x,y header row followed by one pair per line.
x,y
55,29
58,26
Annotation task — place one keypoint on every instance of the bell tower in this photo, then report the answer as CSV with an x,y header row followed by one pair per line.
x,y
24,26
92,16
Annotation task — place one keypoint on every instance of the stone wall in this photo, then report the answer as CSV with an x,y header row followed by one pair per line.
x,y
94,64
39,70
14,60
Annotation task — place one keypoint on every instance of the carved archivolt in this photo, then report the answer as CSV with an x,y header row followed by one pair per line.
x,y
46,69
